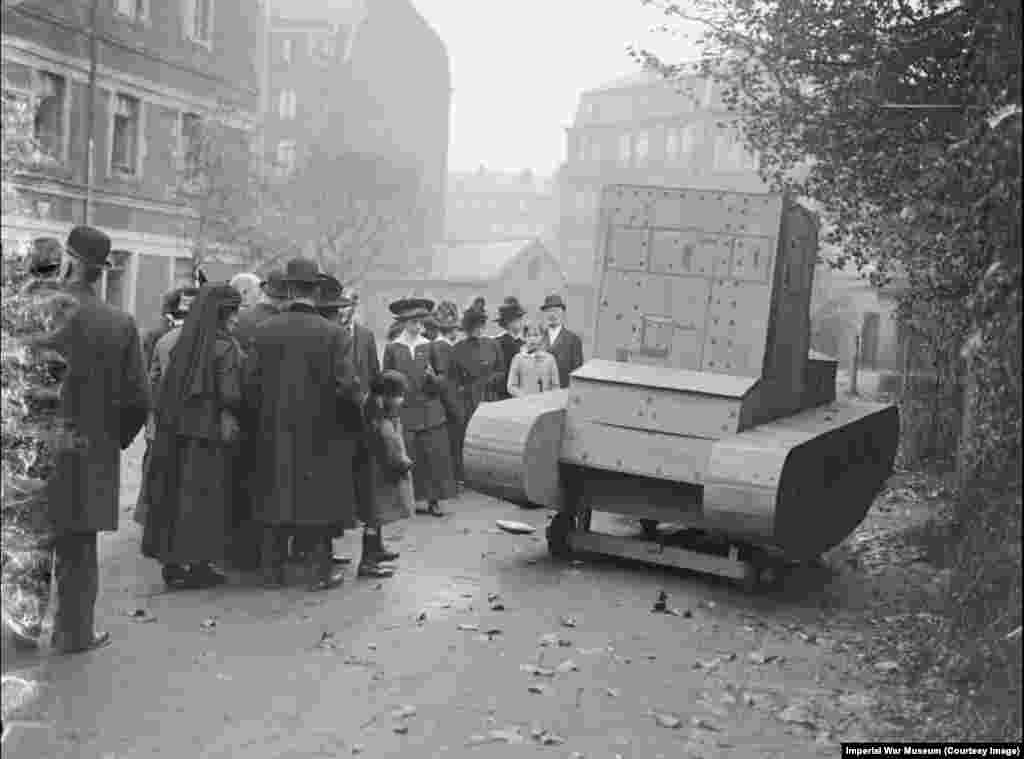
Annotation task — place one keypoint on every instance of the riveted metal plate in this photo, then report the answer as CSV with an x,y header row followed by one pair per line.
x,y
627,249
753,258
688,301
630,206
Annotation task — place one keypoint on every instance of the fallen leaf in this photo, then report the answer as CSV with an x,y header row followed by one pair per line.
x,y
807,637
703,724
209,623
372,646
568,621
141,616
538,689
611,692
550,739
515,528
533,669
468,628
707,664
667,720
758,657
327,641
421,617
798,714
498,606
357,749
567,666
400,729
887,666
506,736
490,632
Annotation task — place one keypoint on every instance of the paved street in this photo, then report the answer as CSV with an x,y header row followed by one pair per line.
x,y
239,671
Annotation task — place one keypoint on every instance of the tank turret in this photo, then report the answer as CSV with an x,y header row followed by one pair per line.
x,y
703,403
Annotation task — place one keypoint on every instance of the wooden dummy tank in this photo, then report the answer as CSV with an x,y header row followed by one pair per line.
x,y
703,405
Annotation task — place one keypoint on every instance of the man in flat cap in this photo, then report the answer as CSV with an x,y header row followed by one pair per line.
x,y
103,405
298,367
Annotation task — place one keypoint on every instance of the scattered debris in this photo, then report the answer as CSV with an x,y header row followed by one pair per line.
x,y
887,666
807,637
661,605
468,628
142,616
798,714
491,632
510,735
404,712
516,528
421,617
611,692
357,749
537,671
372,646
568,621
708,664
757,657
670,721
326,641
538,689
496,603
209,624
567,666
400,729
549,739
703,724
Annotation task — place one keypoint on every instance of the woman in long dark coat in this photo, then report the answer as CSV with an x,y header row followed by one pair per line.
x,y
477,369
447,318
510,319
423,415
191,480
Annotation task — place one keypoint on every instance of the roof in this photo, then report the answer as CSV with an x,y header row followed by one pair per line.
x,y
478,262
346,12
644,78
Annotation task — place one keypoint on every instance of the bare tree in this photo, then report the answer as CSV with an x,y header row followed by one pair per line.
x,y
352,212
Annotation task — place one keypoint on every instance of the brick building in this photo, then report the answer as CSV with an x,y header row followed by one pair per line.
x,y
161,68
492,205
333,76
641,129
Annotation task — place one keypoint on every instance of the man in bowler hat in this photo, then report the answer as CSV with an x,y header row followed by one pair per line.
x,y
564,345
104,403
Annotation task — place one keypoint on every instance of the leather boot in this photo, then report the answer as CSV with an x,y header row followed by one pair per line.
x,y
326,577
368,564
381,554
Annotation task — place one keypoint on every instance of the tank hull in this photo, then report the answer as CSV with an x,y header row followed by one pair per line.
x,y
797,486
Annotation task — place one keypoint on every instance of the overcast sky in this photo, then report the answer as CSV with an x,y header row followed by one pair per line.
x,y
519,66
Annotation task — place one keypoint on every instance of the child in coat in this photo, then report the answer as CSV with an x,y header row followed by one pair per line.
x,y
392,479
533,369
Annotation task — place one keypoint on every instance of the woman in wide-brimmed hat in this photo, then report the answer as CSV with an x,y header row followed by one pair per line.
x,y
477,368
510,319
423,417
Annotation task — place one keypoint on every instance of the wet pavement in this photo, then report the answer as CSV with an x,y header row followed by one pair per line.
x,y
480,646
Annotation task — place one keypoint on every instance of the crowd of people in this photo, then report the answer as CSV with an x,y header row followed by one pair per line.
x,y
272,422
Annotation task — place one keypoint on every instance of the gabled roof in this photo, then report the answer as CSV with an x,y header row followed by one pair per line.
x,y
479,262
345,12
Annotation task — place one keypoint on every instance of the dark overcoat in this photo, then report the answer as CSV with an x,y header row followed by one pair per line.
x,y
510,347
104,402
297,372
249,319
477,368
449,393
423,409
568,352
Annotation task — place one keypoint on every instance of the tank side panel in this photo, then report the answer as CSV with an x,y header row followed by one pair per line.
x,y
670,457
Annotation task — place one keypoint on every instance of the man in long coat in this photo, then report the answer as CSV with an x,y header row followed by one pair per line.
x,y
104,402
272,299
297,372
564,345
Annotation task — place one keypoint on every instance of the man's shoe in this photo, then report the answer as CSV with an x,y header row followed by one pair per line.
x,y
333,580
373,570
341,561
99,640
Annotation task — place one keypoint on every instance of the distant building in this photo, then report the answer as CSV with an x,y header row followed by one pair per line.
x,y
461,272
490,205
641,129
335,74
161,69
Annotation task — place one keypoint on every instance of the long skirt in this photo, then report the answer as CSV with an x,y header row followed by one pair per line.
x,y
432,475
142,504
195,525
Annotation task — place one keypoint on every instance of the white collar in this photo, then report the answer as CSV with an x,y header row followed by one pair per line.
x,y
420,340
554,331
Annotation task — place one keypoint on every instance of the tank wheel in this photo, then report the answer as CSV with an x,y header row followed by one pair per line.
x,y
650,528
558,535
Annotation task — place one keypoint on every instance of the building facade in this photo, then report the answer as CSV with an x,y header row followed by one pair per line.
x,y
334,79
160,70
645,130
490,205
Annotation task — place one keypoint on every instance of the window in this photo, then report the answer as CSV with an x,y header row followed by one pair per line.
x,y
287,104
191,147
689,137
124,154
136,10
322,47
287,50
115,286
641,148
625,149
285,157
48,125
200,20
673,143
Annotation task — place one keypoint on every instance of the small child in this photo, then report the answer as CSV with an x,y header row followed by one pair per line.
x,y
533,370
392,479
